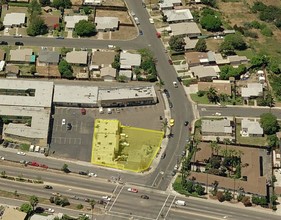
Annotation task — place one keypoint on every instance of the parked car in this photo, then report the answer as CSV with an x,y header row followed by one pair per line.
x,y
83,173
144,196
186,123
92,174
17,36
170,62
48,187
106,198
172,122
151,21
3,43
44,166
140,32
20,153
50,210
170,104
35,164
60,37
56,194
174,172
163,155
69,126
63,121
132,190
17,43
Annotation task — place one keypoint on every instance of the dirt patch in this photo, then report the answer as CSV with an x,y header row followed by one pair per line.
x,y
113,3
77,2
213,44
123,16
124,33
267,2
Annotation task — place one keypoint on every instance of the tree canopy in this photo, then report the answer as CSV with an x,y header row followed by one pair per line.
x,y
229,71
269,123
176,43
27,208
85,28
65,69
61,4
211,22
212,3
33,200
45,2
37,26
201,45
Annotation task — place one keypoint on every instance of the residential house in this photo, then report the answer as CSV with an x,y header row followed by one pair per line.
x,y
169,4
236,60
221,86
176,16
14,20
102,58
196,58
92,2
42,217
47,64
250,128
187,29
252,90
22,56
223,128
12,213
204,73
108,74
190,44
129,60
79,58
220,61
107,23
12,71
72,20
51,21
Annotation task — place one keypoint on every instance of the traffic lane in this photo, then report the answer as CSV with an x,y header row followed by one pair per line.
x,y
177,214
205,110
136,43
60,178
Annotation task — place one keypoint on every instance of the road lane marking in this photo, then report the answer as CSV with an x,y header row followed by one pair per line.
x,y
196,213
116,198
112,196
163,206
128,215
170,207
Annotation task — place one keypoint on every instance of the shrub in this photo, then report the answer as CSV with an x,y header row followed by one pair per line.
x,y
79,206
266,32
246,201
201,93
220,196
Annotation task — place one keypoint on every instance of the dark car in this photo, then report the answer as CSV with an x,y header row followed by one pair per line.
x,y
140,32
167,93
144,196
60,37
170,62
83,173
170,104
174,172
48,187
186,123
19,43
163,155
3,43
69,126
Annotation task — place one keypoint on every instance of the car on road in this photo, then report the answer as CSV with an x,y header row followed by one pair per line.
x,y
175,84
20,153
170,104
23,162
60,37
174,172
63,121
44,166
34,163
75,197
186,123
69,126
140,32
218,114
56,194
83,111
170,62
167,93
83,173
92,174
144,196
18,43
17,36
176,167
151,21
132,190
3,43
163,155
106,198
50,210
111,46
172,122
48,187
183,153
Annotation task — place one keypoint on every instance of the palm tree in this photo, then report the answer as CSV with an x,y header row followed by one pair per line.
x,y
212,95
92,204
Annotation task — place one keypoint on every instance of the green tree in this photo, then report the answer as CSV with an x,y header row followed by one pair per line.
x,y
92,204
227,48
176,43
212,95
45,2
236,41
33,200
34,8
27,208
37,26
269,123
228,195
212,3
116,62
259,60
267,32
64,202
200,190
65,168
79,206
272,140
1,25
211,23
189,186
61,4
274,66
85,28
201,45
87,10
65,69
220,196
228,71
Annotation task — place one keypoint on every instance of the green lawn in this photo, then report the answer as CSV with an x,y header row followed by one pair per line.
x,y
200,100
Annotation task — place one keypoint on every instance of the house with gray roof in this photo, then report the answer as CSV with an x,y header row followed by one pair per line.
x,y
169,4
177,16
108,74
250,128
252,90
14,20
77,57
129,60
204,73
72,20
187,29
48,57
106,23
217,128
189,44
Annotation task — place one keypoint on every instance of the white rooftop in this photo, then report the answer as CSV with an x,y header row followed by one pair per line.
x,y
185,28
169,3
251,127
203,71
221,126
130,59
178,15
75,94
252,89
14,19
104,23
72,20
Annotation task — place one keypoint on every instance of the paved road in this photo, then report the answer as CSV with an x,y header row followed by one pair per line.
x,y
207,110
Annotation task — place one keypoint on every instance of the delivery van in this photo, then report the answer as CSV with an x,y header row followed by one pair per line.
x,y
180,202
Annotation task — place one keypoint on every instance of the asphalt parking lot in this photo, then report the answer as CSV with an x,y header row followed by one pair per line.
x,y
77,142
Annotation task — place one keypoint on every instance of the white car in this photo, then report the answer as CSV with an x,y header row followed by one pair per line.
x,y
2,158
63,121
21,153
218,114
106,198
50,210
92,174
151,21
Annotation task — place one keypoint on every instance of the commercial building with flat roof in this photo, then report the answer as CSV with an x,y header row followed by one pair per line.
x,y
24,98
66,95
12,213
